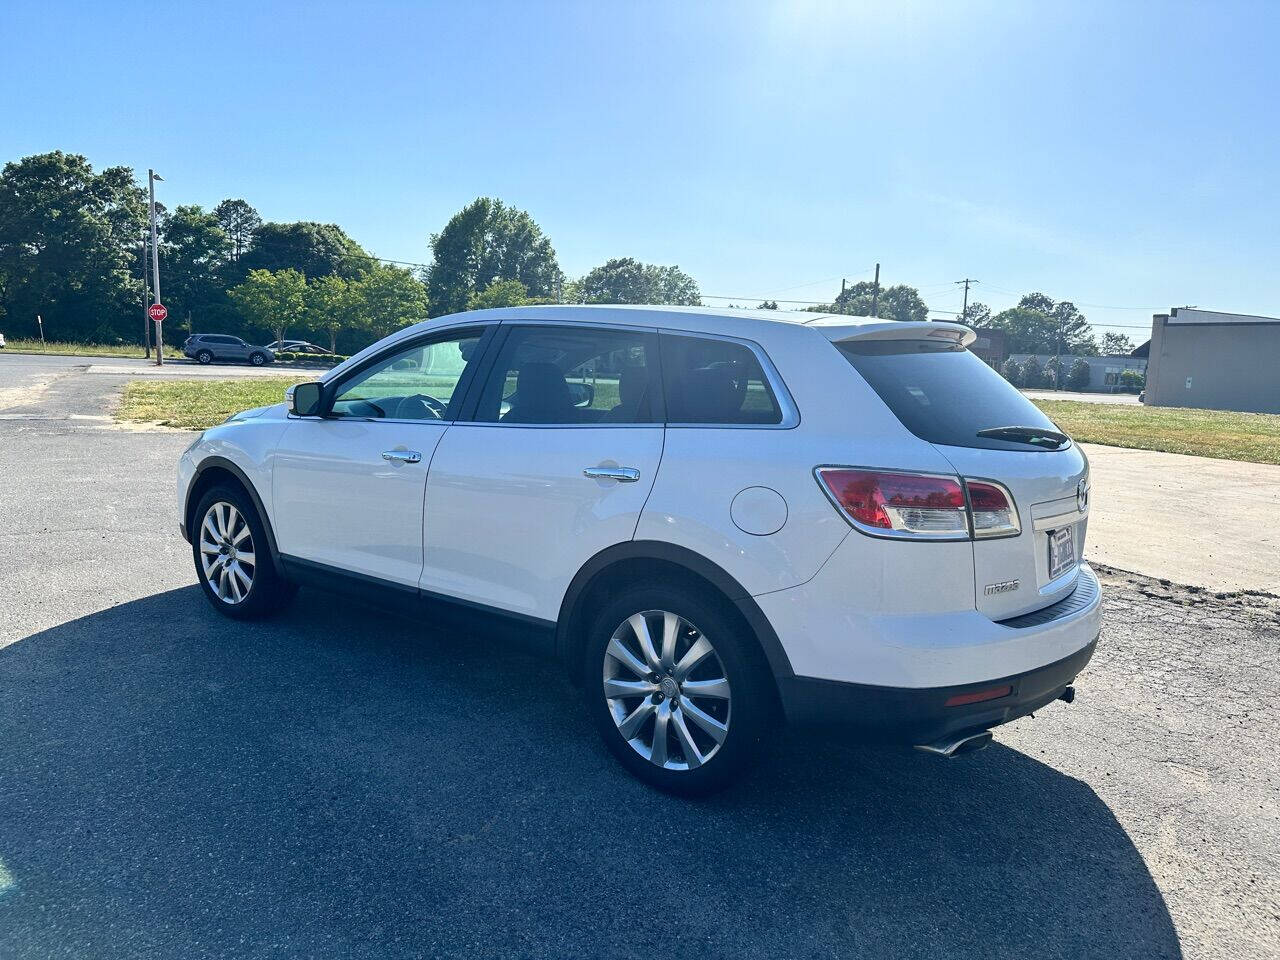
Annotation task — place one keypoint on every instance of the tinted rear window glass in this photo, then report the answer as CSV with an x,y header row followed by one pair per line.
x,y
715,381
943,393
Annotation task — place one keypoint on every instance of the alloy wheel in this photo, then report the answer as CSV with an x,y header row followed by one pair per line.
x,y
226,552
669,697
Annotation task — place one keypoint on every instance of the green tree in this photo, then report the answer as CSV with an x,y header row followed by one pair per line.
x,y
1071,331
194,251
627,280
1032,376
70,248
1026,330
975,315
390,298
1052,375
1078,375
1116,345
271,300
768,305
899,302
332,306
1012,371
500,293
483,242
240,222
313,249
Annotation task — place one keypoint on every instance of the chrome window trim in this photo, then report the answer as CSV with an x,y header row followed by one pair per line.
x,y
786,405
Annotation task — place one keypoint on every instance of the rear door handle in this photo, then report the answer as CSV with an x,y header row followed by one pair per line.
x,y
402,456
621,474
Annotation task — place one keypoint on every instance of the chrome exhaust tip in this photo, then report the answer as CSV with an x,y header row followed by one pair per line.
x,y
954,746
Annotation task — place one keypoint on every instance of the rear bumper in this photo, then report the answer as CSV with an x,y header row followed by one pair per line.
x,y
920,715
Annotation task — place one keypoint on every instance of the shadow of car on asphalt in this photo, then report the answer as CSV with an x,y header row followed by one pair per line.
x,y
342,781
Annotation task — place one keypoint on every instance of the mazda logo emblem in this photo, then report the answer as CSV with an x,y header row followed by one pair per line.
x,y
1082,495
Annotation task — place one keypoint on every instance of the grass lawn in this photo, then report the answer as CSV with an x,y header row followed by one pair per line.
x,y
1254,437
197,404
79,349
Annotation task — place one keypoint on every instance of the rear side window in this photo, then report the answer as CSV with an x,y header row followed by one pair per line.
x,y
715,381
943,393
570,375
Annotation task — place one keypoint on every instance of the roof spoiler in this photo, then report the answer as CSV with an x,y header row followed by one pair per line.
x,y
839,329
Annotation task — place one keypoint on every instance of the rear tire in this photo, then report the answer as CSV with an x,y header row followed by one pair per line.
x,y
204,356
233,556
688,710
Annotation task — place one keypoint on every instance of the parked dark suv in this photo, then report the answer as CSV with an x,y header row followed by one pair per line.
x,y
208,347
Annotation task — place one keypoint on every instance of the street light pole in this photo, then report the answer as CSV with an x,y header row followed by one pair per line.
x,y
152,177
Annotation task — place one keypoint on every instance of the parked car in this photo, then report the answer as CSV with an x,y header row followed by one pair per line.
x,y
1,341
294,346
208,347
718,519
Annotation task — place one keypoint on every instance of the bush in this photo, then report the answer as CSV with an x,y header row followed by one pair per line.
x,y
1012,371
1049,377
1032,375
1078,376
1133,380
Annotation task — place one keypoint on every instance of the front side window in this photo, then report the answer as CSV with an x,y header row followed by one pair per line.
x,y
712,381
571,375
418,383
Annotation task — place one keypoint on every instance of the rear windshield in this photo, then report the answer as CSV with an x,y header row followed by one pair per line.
x,y
943,393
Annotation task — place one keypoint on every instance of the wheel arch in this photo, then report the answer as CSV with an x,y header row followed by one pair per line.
x,y
620,565
213,470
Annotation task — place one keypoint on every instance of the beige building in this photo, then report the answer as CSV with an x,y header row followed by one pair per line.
x,y
1218,361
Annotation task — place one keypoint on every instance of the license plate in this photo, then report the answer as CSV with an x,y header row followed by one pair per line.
x,y
1062,552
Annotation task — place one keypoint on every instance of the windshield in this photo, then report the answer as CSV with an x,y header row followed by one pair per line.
x,y
943,393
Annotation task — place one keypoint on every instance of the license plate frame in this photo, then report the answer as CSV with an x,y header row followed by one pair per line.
x,y
1062,551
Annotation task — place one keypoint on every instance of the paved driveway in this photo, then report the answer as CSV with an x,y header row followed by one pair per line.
x,y
1125,398
338,782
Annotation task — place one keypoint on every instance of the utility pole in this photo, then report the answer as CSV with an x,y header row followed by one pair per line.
x,y
146,302
875,294
965,309
152,177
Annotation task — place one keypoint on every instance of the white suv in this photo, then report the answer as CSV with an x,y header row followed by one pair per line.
x,y
717,518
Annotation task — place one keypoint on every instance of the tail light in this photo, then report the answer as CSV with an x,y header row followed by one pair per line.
x,y
919,506
908,505
994,514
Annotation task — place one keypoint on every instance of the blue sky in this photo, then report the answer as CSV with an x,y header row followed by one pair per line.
x,y
1119,155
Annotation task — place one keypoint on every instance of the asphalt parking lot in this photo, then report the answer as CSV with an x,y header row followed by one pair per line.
x,y
339,782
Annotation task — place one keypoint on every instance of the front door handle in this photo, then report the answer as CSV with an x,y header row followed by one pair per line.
x,y
402,456
621,474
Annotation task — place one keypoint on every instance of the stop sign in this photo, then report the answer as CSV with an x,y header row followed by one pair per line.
x,y
157,312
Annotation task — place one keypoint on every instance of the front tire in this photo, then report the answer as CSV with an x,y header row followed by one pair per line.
x,y
257,359
233,557
678,689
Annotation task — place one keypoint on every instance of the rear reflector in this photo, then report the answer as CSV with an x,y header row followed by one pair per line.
x,y
979,696
911,505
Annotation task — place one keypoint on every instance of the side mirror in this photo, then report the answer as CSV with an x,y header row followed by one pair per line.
x,y
306,399
581,394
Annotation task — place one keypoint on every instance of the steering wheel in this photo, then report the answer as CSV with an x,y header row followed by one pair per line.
x,y
420,407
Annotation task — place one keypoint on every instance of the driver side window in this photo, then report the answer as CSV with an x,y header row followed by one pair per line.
x,y
418,383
